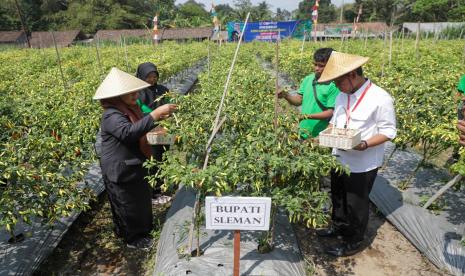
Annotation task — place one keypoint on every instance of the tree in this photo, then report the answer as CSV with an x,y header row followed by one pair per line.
x,y
242,8
194,13
262,12
226,13
282,15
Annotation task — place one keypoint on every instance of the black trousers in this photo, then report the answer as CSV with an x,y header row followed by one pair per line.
x,y
349,195
131,207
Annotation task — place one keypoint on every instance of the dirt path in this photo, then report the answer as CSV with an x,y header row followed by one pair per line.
x,y
387,252
90,247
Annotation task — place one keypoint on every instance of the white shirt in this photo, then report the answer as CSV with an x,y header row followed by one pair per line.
x,y
374,114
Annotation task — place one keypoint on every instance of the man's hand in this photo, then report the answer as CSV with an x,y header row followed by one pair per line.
x,y
362,146
461,128
282,93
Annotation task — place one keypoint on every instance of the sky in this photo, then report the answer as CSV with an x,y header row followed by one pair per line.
x,y
289,5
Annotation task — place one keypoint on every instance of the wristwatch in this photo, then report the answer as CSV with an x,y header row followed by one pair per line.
x,y
366,144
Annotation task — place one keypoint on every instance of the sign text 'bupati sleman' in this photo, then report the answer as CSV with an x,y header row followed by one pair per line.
x,y
238,213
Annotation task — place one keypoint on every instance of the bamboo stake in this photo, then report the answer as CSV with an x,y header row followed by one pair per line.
x,y
98,58
441,191
59,62
302,49
366,40
208,66
390,48
403,35
276,100
464,54
123,41
417,42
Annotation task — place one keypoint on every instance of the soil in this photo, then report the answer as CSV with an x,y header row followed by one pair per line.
x,y
386,252
90,246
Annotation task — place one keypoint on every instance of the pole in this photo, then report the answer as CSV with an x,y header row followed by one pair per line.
x,y
208,66
366,40
276,100
417,42
59,62
98,58
402,42
23,24
390,48
237,252
302,50
125,52
451,183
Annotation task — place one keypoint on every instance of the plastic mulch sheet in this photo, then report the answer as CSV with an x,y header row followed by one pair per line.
x,y
285,259
24,257
437,236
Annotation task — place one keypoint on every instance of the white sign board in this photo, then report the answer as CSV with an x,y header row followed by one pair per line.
x,y
238,213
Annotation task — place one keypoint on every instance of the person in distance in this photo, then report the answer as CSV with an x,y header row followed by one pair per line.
x,y
370,109
124,150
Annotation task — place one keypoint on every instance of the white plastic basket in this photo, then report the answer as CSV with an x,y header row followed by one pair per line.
x,y
340,138
159,137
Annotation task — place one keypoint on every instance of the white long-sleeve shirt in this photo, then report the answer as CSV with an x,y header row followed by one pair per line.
x,y
374,114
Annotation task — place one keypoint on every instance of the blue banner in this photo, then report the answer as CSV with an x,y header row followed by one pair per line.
x,y
269,30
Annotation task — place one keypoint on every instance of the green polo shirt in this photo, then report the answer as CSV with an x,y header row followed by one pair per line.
x,y
461,85
326,93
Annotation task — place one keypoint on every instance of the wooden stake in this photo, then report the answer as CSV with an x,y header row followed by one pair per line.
x,y
237,252
451,183
125,52
464,54
302,50
390,48
59,62
276,100
98,58
417,42
403,35
366,40
208,66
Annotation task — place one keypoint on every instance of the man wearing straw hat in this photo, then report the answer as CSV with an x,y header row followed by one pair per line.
x,y
367,107
124,150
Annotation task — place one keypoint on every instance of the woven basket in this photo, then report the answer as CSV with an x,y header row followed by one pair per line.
x,y
340,138
159,137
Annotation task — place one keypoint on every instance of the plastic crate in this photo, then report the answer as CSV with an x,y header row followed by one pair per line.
x,y
340,138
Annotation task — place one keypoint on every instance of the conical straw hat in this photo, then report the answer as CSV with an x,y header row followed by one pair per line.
x,y
340,64
118,83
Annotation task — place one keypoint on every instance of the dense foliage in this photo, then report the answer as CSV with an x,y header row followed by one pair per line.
x,y
249,156
46,143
